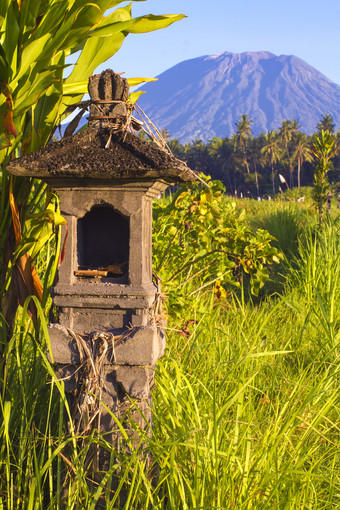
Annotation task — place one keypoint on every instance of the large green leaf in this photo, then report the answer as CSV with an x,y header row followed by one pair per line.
x,y
137,25
36,85
48,24
96,51
12,30
151,22
89,15
113,23
75,88
32,53
29,11
47,108
4,4
76,35
133,82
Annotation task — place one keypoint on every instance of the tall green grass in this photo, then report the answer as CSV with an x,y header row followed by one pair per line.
x,y
246,408
315,274
286,221
253,414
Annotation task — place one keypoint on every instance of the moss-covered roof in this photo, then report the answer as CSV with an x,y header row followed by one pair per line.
x,y
84,156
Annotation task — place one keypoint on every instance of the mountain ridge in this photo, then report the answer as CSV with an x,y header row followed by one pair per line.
x,y
205,96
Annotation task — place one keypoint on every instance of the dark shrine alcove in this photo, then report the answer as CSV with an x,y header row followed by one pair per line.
x,y
103,237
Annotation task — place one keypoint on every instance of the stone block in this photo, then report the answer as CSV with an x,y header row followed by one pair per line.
x,y
143,347
66,373
134,381
64,347
110,392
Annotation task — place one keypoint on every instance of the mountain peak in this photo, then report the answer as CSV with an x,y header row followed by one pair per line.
x,y
205,96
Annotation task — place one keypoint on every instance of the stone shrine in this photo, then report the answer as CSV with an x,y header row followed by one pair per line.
x,y
106,178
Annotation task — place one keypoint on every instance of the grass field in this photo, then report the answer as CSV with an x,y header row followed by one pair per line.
x,y
246,402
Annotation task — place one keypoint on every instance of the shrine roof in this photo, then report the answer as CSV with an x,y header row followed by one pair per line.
x,y
88,155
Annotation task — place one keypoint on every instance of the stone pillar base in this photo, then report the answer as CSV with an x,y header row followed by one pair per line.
x,y
108,375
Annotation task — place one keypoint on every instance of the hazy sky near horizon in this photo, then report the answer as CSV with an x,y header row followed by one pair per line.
x,y
308,29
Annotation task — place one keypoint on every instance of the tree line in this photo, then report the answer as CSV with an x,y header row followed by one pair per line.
x,y
261,165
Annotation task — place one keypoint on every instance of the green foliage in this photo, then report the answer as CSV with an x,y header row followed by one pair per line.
x,y
301,153
272,152
326,123
250,164
283,222
315,273
323,148
208,237
295,193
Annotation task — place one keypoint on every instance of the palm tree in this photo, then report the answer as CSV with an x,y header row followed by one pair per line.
x,y
165,134
176,148
255,157
287,131
272,152
214,145
197,156
326,123
243,133
228,162
301,152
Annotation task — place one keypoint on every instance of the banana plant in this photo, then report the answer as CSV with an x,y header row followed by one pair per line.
x,y
36,38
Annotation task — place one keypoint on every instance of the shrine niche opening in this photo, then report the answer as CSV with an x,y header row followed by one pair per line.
x,y
103,236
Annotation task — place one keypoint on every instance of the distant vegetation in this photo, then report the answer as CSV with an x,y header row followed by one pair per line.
x,y
253,165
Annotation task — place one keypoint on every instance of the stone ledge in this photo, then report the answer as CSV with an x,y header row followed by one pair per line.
x,y
105,295
143,347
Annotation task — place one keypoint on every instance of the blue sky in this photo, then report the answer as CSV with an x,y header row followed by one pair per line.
x,y
309,29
